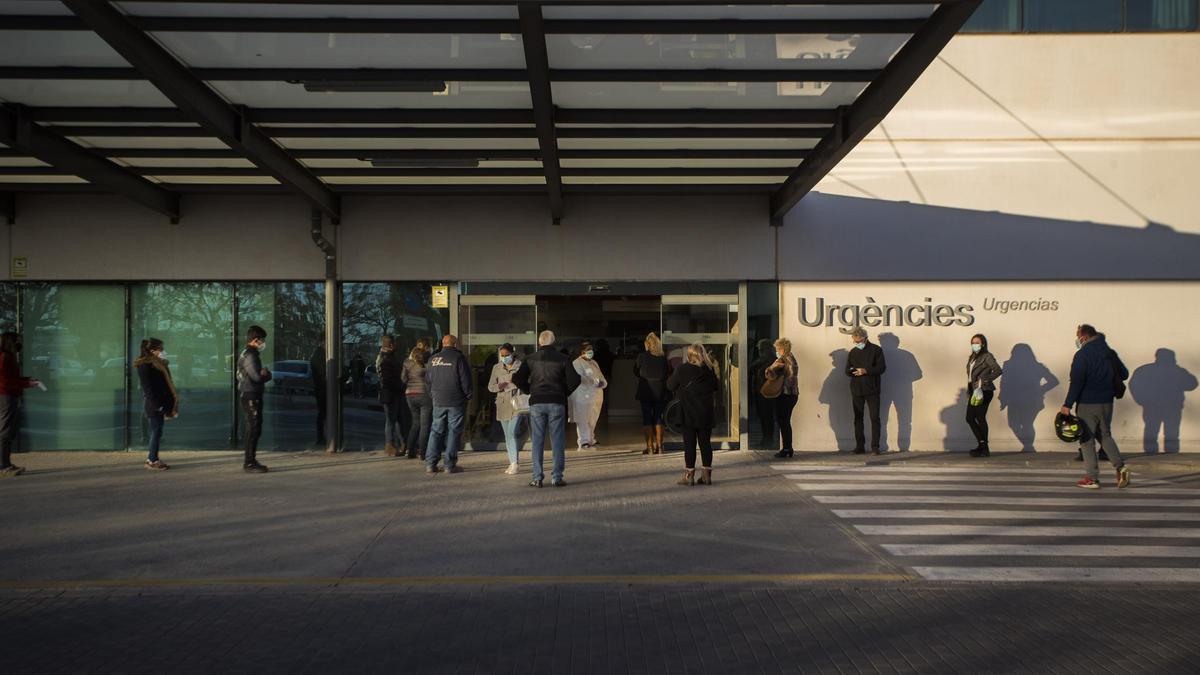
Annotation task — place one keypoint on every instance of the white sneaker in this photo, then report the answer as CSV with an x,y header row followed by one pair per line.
x,y
512,469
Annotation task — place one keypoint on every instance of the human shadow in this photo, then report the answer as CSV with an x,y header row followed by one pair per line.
x,y
835,394
1159,387
955,420
896,391
1023,392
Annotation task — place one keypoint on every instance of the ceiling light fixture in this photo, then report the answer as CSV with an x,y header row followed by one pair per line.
x,y
373,86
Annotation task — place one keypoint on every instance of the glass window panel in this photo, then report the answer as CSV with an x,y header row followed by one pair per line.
x,y
456,95
82,93
1150,15
74,340
722,51
8,307
323,50
370,310
762,328
1072,16
730,11
56,47
706,94
995,16
195,323
293,315
340,10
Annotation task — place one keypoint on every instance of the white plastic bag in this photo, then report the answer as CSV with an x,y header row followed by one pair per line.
x,y
977,396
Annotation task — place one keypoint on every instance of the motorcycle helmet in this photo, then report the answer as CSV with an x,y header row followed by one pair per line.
x,y
1068,428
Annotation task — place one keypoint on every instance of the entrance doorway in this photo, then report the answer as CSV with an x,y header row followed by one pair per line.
x,y
616,325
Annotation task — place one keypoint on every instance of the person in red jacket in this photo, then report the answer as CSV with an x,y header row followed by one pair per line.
x,y
12,385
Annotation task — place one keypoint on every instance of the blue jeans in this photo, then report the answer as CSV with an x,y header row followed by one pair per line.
x,y
445,432
156,429
392,432
512,436
553,415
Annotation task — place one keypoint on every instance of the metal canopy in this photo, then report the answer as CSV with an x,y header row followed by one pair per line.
x,y
152,100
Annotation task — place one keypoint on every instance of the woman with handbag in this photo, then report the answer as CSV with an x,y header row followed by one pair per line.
x,y
511,404
982,371
651,370
694,384
782,381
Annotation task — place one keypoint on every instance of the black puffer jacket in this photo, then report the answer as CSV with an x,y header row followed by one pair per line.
x,y
547,376
694,387
391,376
251,381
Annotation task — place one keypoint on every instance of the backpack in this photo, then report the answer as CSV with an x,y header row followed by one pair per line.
x,y
1117,382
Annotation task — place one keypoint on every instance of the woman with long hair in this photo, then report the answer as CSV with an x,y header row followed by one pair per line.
x,y
694,383
785,366
419,402
12,385
391,395
652,370
160,400
982,371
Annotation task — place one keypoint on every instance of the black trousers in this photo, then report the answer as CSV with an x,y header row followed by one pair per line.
x,y
783,418
9,413
252,409
690,438
977,418
871,402
319,397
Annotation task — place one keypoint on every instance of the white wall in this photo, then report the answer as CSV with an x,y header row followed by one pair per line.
x,y
927,366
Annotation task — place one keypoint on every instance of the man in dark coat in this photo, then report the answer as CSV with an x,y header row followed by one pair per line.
x,y
864,366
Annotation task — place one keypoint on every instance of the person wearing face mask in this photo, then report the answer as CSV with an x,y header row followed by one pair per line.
x,y
508,413
158,393
864,366
252,379
1097,378
585,402
12,385
785,366
982,371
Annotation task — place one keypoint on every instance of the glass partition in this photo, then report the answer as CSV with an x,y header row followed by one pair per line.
x,y
75,343
712,321
486,322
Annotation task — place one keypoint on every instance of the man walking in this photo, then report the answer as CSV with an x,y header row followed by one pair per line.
x,y
448,380
1097,377
864,365
252,379
548,377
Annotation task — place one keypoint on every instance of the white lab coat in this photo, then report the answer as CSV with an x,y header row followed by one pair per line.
x,y
585,402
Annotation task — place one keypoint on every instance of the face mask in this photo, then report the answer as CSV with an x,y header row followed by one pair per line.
x,y
860,345
589,354
1078,343
779,355
976,348
506,360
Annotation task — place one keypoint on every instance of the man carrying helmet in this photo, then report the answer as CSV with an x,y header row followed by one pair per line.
x,y
1097,377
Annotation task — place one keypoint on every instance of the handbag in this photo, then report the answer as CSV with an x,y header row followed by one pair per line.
x,y
520,403
772,387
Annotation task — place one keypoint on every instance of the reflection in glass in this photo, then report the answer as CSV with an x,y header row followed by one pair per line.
x,y
995,16
484,329
370,310
716,326
293,315
74,340
195,323
1151,15
1072,16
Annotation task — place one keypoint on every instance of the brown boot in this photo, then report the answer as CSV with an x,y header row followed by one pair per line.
x,y
689,478
705,476
648,436
658,439
390,450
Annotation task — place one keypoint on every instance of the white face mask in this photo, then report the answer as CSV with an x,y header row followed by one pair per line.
x,y
588,355
860,345
1078,343
975,347
778,354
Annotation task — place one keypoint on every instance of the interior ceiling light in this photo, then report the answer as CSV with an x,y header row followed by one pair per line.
x,y
368,86
428,163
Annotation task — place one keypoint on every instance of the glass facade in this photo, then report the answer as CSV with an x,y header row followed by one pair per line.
x,y
1083,16
762,328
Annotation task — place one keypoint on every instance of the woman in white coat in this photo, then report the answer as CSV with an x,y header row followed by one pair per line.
x,y
585,402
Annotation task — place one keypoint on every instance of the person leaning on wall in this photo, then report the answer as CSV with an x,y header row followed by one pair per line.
x,y
694,384
982,371
785,366
160,400
12,385
651,370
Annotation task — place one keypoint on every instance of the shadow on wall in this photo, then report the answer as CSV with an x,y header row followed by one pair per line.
x,y
954,417
835,395
1159,387
896,391
898,240
1022,392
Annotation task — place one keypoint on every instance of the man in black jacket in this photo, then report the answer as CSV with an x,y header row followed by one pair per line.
x,y
448,380
252,379
548,377
391,394
864,366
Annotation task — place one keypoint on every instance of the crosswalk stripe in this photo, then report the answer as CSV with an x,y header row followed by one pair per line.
x,y
981,470
1178,516
1015,501
983,487
1071,574
947,480
1027,531
1047,550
